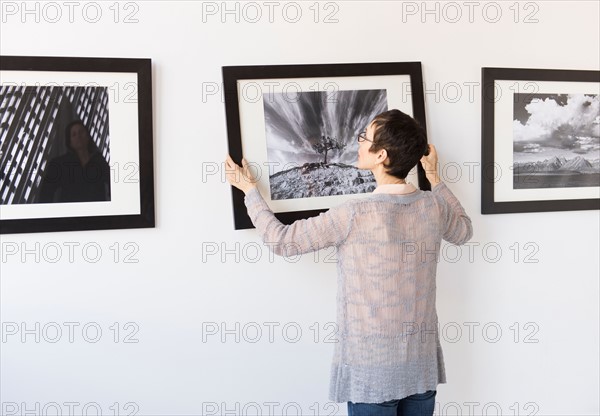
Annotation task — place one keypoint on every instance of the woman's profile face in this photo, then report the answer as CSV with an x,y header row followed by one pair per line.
x,y
366,159
79,137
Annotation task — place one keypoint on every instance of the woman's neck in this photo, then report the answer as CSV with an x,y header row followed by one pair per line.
x,y
383,178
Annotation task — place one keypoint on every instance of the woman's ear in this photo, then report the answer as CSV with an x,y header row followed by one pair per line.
x,y
382,155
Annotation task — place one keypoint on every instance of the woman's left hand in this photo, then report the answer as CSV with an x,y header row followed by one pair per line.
x,y
239,176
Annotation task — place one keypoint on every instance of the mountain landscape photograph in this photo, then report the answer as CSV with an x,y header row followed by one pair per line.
x,y
556,141
312,145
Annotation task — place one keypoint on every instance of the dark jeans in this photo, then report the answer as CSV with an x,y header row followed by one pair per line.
x,y
421,404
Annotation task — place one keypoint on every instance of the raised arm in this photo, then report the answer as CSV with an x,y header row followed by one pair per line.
x,y
328,229
457,224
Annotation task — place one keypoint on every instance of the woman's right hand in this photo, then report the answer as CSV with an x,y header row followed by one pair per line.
x,y
430,164
239,176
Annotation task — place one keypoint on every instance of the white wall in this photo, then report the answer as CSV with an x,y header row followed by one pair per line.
x,y
170,295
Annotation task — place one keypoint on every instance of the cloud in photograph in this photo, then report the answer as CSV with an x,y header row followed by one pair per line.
x,y
562,121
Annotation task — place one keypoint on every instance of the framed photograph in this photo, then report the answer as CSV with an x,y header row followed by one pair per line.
x,y
540,140
75,144
297,126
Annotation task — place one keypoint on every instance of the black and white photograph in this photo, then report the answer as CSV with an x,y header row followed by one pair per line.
x,y
76,148
556,140
312,142
55,144
540,140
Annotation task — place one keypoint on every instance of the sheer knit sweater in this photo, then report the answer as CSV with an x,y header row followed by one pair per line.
x,y
388,246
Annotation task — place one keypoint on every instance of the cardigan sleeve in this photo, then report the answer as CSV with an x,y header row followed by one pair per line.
x,y
457,224
329,228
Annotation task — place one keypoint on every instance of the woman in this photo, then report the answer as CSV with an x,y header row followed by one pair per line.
x,y
389,359
80,175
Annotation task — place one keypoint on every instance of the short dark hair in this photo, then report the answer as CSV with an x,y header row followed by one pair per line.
x,y
91,144
402,137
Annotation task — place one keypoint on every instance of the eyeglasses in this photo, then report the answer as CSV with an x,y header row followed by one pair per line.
x,y
363,137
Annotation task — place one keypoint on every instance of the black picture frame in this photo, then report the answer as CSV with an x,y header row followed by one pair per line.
x,y
128,86
233,75
499,86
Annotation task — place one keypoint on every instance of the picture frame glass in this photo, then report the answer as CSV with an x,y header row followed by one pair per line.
x,y
282,119
546,143
122,155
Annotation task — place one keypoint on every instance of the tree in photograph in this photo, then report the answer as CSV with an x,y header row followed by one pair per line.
x,y
326,144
